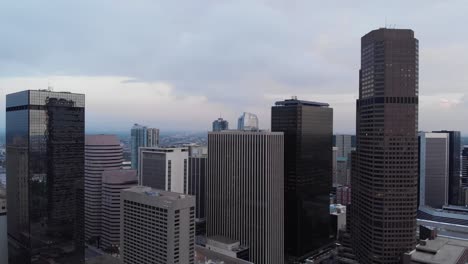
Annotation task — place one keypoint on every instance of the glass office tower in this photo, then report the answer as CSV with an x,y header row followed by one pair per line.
x,y
45,170
220,125
138,139
308,169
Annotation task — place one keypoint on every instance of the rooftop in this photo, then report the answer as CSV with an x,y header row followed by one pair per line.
x,y
440,250
222,239
138,126
104,259
247,132
206,256
291,102
47,91
165,149
148,191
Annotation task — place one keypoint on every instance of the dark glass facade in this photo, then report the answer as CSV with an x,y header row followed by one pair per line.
x,y
197,176
196,187
455,149
153,170
220,125
45,171
464,175
308,143
385,171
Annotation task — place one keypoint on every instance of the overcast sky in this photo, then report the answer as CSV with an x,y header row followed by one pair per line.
x,y
178,65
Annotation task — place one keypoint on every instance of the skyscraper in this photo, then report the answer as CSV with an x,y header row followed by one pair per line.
x,y
464,178
142,136
248,122
113,182
384,196
45,167
244,191
454,196
335,165
157,227
102,152
220,125
434,169
138,139
3,227
164,168
196,183
308,170
343,143
152,137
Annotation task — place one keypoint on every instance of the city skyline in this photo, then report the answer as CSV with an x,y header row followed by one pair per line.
x,y
174,65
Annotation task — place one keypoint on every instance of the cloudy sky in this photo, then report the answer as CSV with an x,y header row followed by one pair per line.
x,y
178,65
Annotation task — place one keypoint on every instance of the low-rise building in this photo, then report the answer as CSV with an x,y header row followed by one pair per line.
x,y
438,250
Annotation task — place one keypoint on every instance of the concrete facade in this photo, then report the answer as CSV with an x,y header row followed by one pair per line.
x,y
102,152
244,191
434,169
113,182
157,227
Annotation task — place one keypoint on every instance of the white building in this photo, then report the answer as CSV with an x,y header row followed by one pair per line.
x,y
164,168
157,227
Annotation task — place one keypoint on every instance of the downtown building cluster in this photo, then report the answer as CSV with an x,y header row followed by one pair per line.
x,y
250,195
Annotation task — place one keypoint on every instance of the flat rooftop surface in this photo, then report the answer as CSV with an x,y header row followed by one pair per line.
x,y
206,256
158,193
104,259
441,250
223,239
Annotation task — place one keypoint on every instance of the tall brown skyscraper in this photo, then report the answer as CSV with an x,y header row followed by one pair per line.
x,y
384,198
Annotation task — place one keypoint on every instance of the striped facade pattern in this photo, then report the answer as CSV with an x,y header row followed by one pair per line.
x,y
102,152
196,183
245,191
113,182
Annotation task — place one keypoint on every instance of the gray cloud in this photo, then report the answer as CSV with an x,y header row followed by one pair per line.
x,y
233,52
